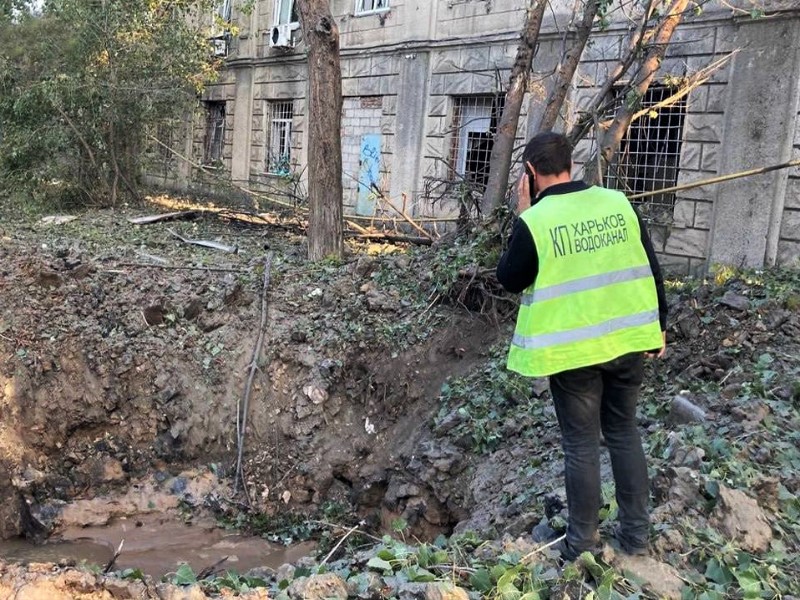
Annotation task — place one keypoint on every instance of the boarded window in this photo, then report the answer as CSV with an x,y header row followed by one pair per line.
x,y
649,155
279,142
215,132
474,126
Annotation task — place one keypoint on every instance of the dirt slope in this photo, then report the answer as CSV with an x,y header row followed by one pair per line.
x,y
112,365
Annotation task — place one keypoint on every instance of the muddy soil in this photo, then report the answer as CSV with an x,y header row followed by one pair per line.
x,y
124,351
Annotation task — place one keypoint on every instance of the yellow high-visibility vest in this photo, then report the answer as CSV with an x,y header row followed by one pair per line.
x,y
594,298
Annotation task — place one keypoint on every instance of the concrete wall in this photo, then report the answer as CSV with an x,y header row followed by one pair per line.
x,y
744,117
402,69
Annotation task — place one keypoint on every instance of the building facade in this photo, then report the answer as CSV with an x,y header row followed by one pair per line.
x,y
423,84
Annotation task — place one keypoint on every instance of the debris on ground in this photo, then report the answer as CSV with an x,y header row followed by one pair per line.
x,y
382,396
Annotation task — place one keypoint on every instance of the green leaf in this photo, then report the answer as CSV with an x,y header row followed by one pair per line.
x,y
386,554
711,595
750,583
419,575
184,576
424,556
497,572
718,572
132,574
481,580
712,488
379,564
399,525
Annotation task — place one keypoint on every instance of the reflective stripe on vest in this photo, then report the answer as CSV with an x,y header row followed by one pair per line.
x,y
585,333
586,283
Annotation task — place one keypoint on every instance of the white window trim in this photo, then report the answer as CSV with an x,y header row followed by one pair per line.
x,y
359,12
276,14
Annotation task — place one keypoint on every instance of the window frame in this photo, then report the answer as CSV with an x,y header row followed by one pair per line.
x,y
276,14
469,108
273,124
360,11
630,170
224,10
214,122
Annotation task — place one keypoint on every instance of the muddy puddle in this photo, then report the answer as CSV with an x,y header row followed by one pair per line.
x,y
157,545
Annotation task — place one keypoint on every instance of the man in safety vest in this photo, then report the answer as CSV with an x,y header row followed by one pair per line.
x,y
592,306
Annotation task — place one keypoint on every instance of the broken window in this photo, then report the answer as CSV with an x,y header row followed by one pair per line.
x,y
285,12
279,142
215,132
649,155
474,126
370,6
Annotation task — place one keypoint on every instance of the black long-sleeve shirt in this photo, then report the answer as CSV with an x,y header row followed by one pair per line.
x,y
519,265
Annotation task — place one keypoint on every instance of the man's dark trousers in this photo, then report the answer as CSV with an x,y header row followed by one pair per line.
x,y
586,400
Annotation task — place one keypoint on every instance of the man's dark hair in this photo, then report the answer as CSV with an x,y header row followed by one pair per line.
x,y
550,153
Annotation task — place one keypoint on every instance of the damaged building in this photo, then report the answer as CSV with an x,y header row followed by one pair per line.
x,y
424,84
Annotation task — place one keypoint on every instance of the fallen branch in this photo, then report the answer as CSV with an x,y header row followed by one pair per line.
x,y
335,526
243,407
341,541
694,81
214,175
293,207
208,571
110,563
715,180
543,547
389,237
405,216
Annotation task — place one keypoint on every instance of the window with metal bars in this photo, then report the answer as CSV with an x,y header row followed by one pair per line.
x,y
279,141
648,158
370,6
215,132
474,126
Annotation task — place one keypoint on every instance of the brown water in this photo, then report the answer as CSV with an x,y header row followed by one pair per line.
x,y
158,545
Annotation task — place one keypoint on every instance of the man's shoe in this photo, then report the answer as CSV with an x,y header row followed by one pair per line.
x,y
620,543
543,533
568,553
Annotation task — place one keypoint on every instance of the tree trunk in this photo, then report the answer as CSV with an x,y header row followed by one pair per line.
x,y
636,39
500,159
321,35
609,140
568,66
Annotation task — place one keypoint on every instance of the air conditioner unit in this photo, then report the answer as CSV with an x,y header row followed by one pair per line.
x,y
281,36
